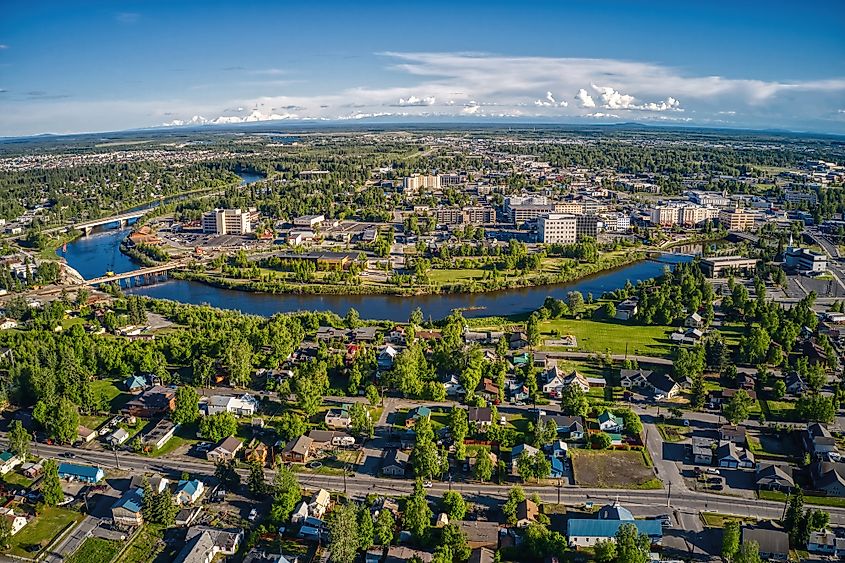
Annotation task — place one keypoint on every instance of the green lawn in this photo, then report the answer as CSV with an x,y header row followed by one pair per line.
x,y
838,502
114,395
673,433
459,275
41,531
778,410
14,478
716,520
95,550
617,336
146,545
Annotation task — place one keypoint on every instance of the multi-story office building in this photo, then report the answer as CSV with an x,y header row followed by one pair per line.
x,y
586,226
227,222
451,180
557,228
663,215
696,214
479,215
737,219
796,198
417,182
523,213
714,199
570,207
617,222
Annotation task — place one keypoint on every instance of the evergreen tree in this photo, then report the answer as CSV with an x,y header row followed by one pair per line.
x,y
366,529
417,512
385,527
343,531
51,487
256,484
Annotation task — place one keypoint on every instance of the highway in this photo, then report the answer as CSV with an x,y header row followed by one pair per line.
x,y
358,486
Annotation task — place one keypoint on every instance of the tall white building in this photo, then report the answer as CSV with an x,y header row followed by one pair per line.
x,y
558,228
416,182
226,222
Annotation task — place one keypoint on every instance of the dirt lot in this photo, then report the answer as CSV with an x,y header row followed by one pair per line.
x,y
612,469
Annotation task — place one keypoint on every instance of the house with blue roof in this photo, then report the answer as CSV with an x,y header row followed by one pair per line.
x,y
84,473
188,492
126,511
558,468
415,414
609,422
586,532
135,384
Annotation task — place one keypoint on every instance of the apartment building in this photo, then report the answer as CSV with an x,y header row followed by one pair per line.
x,y
663,215
451,180
737,219
617,222
417,182
714,199
795,197
227,222
696,214
524,213
469,215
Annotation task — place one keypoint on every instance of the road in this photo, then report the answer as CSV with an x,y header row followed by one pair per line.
x,y
71,542
359,486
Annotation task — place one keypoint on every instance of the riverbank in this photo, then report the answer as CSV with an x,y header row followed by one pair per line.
x,y
605,264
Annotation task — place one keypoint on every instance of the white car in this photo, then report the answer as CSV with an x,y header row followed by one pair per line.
x,y
253,514
428,484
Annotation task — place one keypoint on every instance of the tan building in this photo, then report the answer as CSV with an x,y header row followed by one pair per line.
x,y
738,219
227,222
557,228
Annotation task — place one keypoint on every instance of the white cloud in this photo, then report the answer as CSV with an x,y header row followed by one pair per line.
x,y
586,99
612,99
3,46
602,114
415,101
550,101
471,108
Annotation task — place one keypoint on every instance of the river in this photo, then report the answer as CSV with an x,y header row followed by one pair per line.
x,y
99,253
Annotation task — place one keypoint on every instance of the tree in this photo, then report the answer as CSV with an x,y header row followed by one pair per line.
x,y
291,426
631,420
815,408
424,456
51,487
730,539
366,528
793,520
257,485
343,531
748,552
227,474
385,527
459,426
483,465
417,512
5,532
609,310
574,401
352,319
286,493
362,423
203,368
453,505
454,539
217,426
601,440
605,551
187,405
631,546
779,389
532,330
738,407
19,440
373,395
515,496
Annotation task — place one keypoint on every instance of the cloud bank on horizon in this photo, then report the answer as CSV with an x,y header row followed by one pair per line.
x,y
547,88
490,86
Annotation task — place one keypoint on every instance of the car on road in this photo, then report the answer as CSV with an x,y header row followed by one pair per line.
x,y
253,514
67,454
428,484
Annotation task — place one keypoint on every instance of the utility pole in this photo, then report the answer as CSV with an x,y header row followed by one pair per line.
x,y
558,491
785,505
669,496
116,461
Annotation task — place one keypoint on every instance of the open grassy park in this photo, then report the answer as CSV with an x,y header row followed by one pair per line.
x,y
613,335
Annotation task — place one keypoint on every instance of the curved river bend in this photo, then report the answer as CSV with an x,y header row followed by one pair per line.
x,y
97,254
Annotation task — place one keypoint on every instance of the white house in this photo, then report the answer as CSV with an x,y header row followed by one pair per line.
x,y
15,520
319,503
608,422
8,461
245,405
188,492
300,513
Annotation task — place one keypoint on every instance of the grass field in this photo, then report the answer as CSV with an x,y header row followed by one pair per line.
x,y
14,478
95,550
838,502
145,547
458,275
612,469
600,336
672,433
715,520
40,532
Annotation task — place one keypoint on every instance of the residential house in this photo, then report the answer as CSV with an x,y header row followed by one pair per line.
x,y
159,434
415,414
157,482
663,386
364,334
526,513
689,336
32,470
319,503
402,554
774,544
395,463
297,451
771,477
189,491
226,450
695,321
117,437
396,335
735,434
818,441
480,416
480,533
16,521
300,513
482,555
560,449
135,383
701,450
558,467
608,422
825,542
204,543
730,456
245,405
487,390
386,357
155,401
8,461
828,477
575,378
517,340
85,435
570,426
517,391
634,378
126,511
256,451
83,473
627,309
795,384
330,439
338,417
454,388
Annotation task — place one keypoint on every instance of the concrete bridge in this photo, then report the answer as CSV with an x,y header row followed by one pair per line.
x,y
87,226
141,272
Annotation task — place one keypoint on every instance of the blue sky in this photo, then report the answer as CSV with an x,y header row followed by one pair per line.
x,y
99,66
